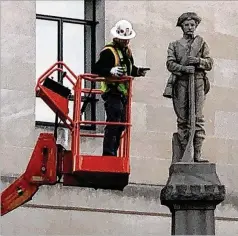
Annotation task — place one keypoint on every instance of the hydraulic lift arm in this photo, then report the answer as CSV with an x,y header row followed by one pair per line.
x,y
45,164
41,170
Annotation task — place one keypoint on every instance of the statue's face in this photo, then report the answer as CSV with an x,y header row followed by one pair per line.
x,y
189,27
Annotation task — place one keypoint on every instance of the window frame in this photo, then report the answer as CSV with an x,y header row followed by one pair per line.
x,y
89,24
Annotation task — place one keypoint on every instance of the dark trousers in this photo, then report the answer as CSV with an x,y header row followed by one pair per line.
x,y
115,107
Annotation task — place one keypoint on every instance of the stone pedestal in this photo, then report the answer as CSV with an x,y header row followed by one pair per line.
x,y
192,192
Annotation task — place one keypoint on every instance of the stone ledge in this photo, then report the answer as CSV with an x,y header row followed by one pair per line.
x,y
135,197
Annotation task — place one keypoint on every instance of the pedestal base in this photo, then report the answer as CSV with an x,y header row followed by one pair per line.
x,y
192,192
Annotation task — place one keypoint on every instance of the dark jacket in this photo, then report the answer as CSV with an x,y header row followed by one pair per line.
x,y
107,60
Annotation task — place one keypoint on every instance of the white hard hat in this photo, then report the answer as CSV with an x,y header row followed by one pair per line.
x,y
123,30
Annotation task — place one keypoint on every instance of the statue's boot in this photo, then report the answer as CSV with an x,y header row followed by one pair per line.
x,y
198,156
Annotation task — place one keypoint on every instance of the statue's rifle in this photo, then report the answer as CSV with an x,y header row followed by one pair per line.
x,y
189,151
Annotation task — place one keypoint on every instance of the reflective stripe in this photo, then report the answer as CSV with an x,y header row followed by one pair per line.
x,y
122,87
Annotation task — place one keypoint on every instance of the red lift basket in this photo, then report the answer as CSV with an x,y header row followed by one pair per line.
x,y
87,170
108,172
51,161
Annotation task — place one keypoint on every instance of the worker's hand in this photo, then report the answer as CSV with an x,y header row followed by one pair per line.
x,y
193,60
189,69
142,71
117,71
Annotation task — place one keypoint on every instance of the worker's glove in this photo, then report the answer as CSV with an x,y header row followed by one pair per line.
x,y
117,71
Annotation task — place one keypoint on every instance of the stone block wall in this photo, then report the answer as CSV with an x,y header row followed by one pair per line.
x,y
136,211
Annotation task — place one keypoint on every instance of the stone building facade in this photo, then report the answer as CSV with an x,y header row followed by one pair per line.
x,y
137,210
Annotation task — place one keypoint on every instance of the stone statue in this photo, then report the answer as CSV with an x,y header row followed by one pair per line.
x,y
188,60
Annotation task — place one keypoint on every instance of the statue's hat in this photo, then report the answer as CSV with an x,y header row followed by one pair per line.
x,y
188,16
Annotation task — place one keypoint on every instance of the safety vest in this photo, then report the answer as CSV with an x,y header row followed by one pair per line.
x,y
122,87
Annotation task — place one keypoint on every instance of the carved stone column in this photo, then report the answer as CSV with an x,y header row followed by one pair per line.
x,y
192,193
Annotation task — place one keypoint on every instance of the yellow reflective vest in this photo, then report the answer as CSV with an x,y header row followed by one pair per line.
x,y
122,87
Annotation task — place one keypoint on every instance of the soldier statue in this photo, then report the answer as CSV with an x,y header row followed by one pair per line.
x,y
188,56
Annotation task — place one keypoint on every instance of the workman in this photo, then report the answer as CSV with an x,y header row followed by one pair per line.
x,y
116,60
